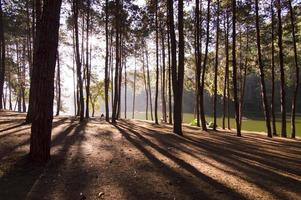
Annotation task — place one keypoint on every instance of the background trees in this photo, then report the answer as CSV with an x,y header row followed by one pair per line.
x,y
165,57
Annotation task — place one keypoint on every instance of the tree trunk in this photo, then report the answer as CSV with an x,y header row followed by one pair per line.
x,y
134,91
44,69
87,59
177,72
58,85
145,87
107,78
296,85
157,65
197,61
169,82
2,61
274,130
202,111
78,61
216,67
282,77
149,85
260,63
163,77
117,60
32,96
234,76
226,78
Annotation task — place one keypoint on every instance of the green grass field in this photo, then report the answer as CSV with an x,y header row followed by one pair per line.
x,y
247,124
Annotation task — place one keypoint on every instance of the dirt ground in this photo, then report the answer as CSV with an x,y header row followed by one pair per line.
x,y
140,160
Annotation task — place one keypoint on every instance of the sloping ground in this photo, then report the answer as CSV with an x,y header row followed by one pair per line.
x,y
140,160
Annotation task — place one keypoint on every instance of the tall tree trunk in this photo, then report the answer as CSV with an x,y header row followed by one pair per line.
x,y
282,77
157,64
163,76
32,96
134,91
2,61
78,61
234,75
274,130
107,78
177,72
216,67
169,82
145,87
125,90
44,69
226,78
296,84
260,63
202,111
197,61
117,60
58,85
149,85
87,59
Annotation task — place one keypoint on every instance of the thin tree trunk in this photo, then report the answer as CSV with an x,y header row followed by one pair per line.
x,y
107,78
169,82
260,63
58,76
282,73
2,61
236,103
296,84
197,62
78,61
202,111
216,67
149,85
134,91
274,130
87,60
145,87
226,78
117,60
157,64
163,76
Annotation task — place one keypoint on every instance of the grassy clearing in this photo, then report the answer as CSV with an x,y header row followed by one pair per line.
x,y
248,124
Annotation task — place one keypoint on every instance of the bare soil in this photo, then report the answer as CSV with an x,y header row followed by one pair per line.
x,y
136,159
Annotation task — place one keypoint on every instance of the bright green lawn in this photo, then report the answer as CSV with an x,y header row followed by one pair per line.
x,y
247,124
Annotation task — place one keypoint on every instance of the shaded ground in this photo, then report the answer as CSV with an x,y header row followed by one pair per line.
x,y
140,160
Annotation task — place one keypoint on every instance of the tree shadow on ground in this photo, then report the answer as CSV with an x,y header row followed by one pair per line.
x,y
247,158
22,176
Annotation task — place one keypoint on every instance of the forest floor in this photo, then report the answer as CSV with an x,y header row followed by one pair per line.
x,y
136,159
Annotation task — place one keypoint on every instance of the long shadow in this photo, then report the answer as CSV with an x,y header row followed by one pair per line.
x,y
124,129
23,176
236,157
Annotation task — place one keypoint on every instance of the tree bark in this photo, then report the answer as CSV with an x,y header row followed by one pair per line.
x,y
87,60
216,66
44,69
58,85
157,64
2,61
107,78
296,84
78,61
234,76
202,111
274,130
282,73
262,80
